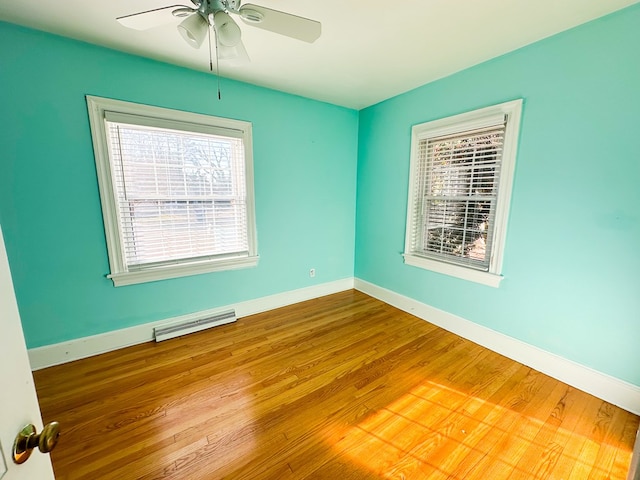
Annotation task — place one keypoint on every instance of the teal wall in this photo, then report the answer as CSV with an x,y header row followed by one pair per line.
x,y
305,183
571,263
572,259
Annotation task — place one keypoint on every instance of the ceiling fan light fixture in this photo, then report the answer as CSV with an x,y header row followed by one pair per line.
x,y
227,53
233,56
227,30
194,30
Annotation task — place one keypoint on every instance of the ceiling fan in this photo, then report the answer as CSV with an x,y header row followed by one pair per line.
x,y
198,19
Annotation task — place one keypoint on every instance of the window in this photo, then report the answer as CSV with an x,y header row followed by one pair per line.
x,y
176,191
460,187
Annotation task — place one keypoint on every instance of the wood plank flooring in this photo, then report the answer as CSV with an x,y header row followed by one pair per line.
x,y
342,387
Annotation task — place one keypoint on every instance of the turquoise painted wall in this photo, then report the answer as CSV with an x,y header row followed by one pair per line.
x,y
572,259
571,264
305,183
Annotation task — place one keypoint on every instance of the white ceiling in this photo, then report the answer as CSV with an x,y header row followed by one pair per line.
x,y
369,50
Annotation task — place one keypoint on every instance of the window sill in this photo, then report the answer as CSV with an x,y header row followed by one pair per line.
x,y
166,272
485,278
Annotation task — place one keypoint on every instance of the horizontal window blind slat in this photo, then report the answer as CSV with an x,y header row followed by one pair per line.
x,y
460,198
148,123
472,126
199,259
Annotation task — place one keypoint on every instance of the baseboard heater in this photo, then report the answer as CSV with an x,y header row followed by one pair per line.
x,y
178,329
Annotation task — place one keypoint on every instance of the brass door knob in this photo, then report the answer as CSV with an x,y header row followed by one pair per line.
x,y
28,439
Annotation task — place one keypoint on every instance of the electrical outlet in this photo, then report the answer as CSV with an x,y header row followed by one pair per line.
x,y
312,272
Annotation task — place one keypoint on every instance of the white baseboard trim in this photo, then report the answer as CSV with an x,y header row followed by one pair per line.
x,y
610,389
56,354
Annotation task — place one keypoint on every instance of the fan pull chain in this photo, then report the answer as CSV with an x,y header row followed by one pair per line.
x,y
211,59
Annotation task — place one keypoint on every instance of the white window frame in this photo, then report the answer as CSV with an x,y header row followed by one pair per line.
x,y
191,122
459,124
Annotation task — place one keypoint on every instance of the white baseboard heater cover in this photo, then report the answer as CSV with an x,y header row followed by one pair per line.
x,y
174,330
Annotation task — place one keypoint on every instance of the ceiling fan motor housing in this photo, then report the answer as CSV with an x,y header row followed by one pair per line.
x,y
212,6
233,5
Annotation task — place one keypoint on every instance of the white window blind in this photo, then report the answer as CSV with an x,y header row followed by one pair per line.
x,y
176,191
460,188
180,195
454,207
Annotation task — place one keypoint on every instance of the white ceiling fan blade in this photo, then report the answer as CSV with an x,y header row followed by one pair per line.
x,y
283,23
152,18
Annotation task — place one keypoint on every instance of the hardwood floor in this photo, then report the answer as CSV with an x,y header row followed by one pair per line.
x,y
342,387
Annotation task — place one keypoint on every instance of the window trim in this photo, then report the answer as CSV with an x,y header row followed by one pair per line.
x,y
120,274
456,124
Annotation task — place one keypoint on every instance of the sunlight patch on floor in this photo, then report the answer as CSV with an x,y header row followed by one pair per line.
x,y
437,432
